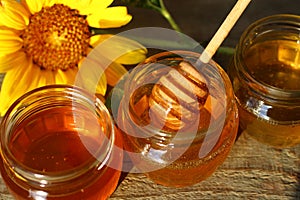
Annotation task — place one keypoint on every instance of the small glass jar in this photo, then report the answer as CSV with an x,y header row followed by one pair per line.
x,y
57,142
178,121
266,79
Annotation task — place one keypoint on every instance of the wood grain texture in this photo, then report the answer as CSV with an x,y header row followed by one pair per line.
x,y
252,171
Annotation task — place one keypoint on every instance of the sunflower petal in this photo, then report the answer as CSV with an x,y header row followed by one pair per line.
x,y
91,77
66,77
16,82
112,17
95,6
132,57
119,49
13,15
114,72
101,86
6,32
7,97
76,4
35,6
47,77
97,39
10,41
9,46
27,77
10,61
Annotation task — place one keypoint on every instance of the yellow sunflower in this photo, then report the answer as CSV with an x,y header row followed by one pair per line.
x,y
44,42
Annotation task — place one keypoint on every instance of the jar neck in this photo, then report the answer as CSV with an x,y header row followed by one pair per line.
x,y
273,29
46,98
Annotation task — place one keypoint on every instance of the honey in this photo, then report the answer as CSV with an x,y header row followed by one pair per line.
x,y
275,63
265,76
178,124
59,148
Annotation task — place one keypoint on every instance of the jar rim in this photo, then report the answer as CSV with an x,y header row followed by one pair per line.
x,y
287,22
36,176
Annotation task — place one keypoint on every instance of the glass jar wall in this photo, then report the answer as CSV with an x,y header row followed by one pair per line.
x,y
179,120
266,76
57,142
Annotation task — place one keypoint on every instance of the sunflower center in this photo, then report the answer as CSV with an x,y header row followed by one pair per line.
x,y
57,37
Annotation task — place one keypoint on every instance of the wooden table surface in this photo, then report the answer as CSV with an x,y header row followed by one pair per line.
x,y
252,170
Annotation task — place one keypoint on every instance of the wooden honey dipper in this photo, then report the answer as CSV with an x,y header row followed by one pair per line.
x,y
176,97
180,94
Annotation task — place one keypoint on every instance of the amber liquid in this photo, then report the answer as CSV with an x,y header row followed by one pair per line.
x,y
276,64
60,140
188,169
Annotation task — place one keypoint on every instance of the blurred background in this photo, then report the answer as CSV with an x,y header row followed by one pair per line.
x,y
200,19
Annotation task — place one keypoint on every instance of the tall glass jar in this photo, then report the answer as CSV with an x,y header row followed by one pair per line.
x,y
57,142
266,80
179,120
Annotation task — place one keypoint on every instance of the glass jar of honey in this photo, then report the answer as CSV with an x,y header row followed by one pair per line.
x,y
178,120
57,142
266,78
